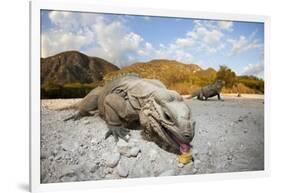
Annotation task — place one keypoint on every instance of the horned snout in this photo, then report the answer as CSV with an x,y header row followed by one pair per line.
x,y
189,130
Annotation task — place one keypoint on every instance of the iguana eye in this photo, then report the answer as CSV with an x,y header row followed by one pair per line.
x,y
167,117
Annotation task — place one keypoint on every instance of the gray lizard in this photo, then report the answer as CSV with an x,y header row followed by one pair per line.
x,y
163,115
209,91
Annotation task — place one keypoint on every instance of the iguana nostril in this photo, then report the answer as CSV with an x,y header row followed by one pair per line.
x,y
187,136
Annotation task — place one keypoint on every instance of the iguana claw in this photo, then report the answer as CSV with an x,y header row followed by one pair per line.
x,y
74,117
117,133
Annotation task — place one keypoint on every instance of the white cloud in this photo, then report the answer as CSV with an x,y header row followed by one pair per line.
x,y
185,42
170,52
254,69
244,44
210,37
57,41
97,36
111,40
226,25
205,36
115,43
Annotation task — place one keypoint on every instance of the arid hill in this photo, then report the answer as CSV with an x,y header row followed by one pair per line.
x,y
163,70
175,75
74,67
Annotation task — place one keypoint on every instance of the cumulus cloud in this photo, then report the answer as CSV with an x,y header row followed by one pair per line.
x,y
93,34
205,35
113,40
170,51
226,25
185,42
109,39
243,44
57,41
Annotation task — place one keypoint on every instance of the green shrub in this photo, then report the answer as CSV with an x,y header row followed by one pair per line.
x,y
51,90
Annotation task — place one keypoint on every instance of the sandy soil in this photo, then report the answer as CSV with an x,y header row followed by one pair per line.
x,y
229,138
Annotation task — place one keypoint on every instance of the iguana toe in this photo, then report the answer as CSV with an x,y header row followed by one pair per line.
x,y
118,133
74,117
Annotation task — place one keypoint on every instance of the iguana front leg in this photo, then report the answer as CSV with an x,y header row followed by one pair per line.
x,y
200,96
219,97
117,110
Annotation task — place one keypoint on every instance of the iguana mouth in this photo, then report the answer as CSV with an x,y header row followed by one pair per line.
x,y
181,146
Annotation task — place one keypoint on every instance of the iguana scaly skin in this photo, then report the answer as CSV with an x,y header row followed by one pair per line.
x,y
209,91
129,100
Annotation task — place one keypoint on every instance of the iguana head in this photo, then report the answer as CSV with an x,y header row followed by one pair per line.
x,y
219,84
166,119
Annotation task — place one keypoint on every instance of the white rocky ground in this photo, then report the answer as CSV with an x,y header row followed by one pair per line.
x,y
229,138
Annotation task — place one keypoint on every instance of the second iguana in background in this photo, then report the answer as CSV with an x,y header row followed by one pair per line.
x,y
209,91
129,100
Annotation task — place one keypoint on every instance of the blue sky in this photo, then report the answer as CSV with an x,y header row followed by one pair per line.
x,y
125,39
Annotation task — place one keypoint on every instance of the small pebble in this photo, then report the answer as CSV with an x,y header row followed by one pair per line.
x,y
94,168
86,122
152,154
194,170
108,170
197,163
55,152
123,147
122,143
112,159
195,152
134,151
240,119
180,165
122,171
51,158
229,157
59,157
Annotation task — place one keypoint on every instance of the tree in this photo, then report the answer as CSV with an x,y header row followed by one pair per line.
x,y
227,75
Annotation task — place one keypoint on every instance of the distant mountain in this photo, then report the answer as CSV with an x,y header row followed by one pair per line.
x,y
74,67
168,71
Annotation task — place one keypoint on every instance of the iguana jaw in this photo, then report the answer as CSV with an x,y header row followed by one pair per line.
x,y
177,143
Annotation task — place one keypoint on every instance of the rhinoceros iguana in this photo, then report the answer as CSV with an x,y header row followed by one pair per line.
x,y
209,91
162,114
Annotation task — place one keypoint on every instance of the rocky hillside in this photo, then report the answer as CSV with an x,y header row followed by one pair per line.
x,y
168,71
178,76
74,67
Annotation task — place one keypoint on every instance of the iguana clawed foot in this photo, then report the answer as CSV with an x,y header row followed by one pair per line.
x,y
117,133
74,117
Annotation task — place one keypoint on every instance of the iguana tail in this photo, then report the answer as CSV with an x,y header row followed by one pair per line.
x,y
194,94
68,107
